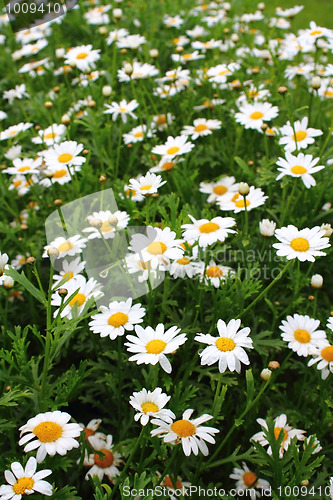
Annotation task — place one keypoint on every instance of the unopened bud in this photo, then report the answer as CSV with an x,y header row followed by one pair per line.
x,y
97,223
103,30
311,297
243,188
53,252
8,282
328,229
274,365
282,90
317,281
153,53
179,48
56,88
85,151
234,38
63,292
316,82
102,178
265,374
60,53
261,6
128,68
305,482
48,104
91,103
117,13
57,202
107,90
30,260
66,119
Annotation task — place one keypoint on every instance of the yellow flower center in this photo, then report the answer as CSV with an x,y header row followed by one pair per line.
x,y
183,261
13,132
64,158
50,135
145,188
143,265
82,55
214,272
106,227
298,169
65,246
183,428
328,93
327,353
156,248
302,336
23,169
300,244
315,32
277,431
155,346
23,484
250,479
256,115
223,72
146,407
209,227
79,299
225,344
68,275
105,462
47,432
138,134
161,120
300,135
60,173
201,127
241,204
187,56
253,93
168,165
118,319
123,110
173,150
219,190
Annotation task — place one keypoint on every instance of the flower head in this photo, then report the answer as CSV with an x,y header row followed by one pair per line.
x,y
25,481
303,244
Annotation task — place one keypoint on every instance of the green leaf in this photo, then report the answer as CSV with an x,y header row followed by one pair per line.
x,y
23,280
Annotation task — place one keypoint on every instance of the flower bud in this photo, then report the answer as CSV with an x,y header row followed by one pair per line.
x,y
128,68
58,202
316,82
317,281
53,253
243,188
153,53
305,482
282,90
234,38
103,30
8,282
107,90
265,374
117,13
261,6
66,119
267,227
102,178
48,104
30,260
328,229
273,365
62,292
60,53
91,103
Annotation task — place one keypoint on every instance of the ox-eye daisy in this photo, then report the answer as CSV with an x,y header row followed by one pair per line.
x,y
69,270
151,404
216,190
66,246
14,130
228,348
105,464
201,127
254,199
213,273
330,323
51,433
190,433
52,134
299,166
64,155
83,57
303,244
301,334
123,109
299,136
24,167
324,357
25,481
174,146
255,114
113,320
110,222
151,346
247,480
280,425
208,232
183,267
146,184
85,290
90,432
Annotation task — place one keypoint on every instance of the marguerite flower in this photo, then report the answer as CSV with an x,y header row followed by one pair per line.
x,y
253,115
64,155
280,426
51,433
190,433
113,320
151,346
301,138
14,130
216,190
86,290
303,244
301,334
66,246
110,222
123,109
324,357
208,232
100,466
174,146
213,273
228,348
254,199
52,134
299,166
24,167
247,480
330,324
69,270
83,57
25,481
201,127
146,184
3,261
151,404
90,433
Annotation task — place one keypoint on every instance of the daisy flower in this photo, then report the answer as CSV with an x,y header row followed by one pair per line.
x,y
301,138
166,163
24,167
146,184
137,134
69,270
151,404
3,261
14,130
218,74
131,42
184,58
247,480
280,425
90,433
324,357
143,270
25,481
113,320
303,244
110,223
185,266
330,324
214,274
100,466
86,290
190,433
216,190
51,433
52,134
267,228
64,155
299,166
301,334
123,109
83,57
174,146
158,247
207,232
162,121
67,246
201,127
254,199
253,115
151,346
228,348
